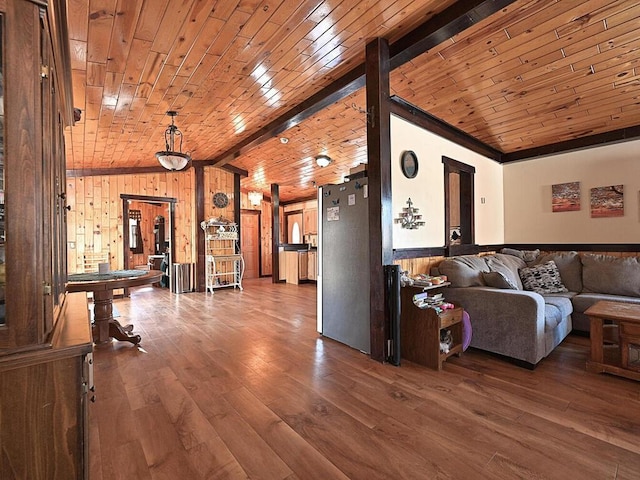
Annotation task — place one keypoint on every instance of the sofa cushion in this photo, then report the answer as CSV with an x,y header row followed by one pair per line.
x,y
569,266
542,278
464,270
508,265
552,317
498,280
612,275
585,300
561,303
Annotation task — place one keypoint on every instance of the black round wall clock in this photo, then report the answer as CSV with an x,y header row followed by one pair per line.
x,y
220,199
409,164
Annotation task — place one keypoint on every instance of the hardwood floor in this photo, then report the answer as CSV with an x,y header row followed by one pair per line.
x,y
240,385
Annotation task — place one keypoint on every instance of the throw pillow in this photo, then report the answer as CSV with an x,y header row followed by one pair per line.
x,y
542,278
498,280
528,256
569,266
507,265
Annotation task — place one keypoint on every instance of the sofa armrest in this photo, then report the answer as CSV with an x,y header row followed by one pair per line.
x,y
507,322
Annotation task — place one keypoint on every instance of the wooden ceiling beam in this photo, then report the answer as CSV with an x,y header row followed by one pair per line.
x,y
94,172
411,113
341,88
615,136
449,23
452,21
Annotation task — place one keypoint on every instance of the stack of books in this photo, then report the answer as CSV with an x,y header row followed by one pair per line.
x,y
437,301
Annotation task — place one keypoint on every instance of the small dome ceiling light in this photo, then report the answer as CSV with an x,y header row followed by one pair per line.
x,y
323,160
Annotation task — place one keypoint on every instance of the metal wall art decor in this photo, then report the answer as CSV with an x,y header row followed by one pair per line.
x,y
409,218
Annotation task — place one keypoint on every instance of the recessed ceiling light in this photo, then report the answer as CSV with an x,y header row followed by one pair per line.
x,y
284,140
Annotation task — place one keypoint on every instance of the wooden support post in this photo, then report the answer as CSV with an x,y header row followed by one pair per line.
x,y
200,250
237,208
379,171
275,233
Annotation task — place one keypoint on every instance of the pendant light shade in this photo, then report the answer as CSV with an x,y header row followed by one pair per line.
x,y
170,158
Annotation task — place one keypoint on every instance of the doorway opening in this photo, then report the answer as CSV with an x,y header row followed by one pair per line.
x,y
250,243
459,206
148,234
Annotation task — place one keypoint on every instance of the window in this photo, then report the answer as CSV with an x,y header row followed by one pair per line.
x,y
136,244
295,233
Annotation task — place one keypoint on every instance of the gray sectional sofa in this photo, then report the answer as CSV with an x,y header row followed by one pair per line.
x,y
522,304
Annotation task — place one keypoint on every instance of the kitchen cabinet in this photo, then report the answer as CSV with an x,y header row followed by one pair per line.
x,y
282,264
45,339
312,265
302,265
296,265
310,221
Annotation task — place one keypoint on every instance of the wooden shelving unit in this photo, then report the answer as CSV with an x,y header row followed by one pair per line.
x,y
420,330
224,263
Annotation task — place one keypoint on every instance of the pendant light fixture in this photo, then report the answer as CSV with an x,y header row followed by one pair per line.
x,y
255,198
170,158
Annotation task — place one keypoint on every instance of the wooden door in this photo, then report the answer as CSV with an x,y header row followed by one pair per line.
x,y
250,243
295,229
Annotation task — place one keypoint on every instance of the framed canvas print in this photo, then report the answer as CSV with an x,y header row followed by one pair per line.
x,y
607,201
565,197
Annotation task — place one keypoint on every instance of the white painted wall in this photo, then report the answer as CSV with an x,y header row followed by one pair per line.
x,y
426,190
527,196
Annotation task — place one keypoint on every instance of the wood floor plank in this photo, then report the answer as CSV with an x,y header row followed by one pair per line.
x,y
356,450
240,385
305,460
131,462
163,451
254,454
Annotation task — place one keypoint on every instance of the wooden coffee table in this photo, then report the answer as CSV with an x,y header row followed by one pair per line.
x,y
614,357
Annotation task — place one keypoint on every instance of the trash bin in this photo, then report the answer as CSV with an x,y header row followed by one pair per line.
x,y
182,277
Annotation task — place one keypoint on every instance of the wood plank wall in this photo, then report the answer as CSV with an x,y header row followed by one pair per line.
x,y
95,224
217,180
419,265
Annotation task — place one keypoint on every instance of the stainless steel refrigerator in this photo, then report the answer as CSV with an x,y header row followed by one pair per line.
x,y
343,250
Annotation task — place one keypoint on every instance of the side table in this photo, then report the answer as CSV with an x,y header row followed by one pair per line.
x,y
420,331
614,358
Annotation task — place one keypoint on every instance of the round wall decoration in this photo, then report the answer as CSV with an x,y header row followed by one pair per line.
x,y
220,199
409,164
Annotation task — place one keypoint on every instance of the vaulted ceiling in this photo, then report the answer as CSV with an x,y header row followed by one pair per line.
x,y
243,74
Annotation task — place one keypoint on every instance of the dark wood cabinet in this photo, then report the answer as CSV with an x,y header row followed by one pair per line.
x,y
45,339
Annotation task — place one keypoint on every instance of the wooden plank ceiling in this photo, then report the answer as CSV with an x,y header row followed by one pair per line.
x,y
536,73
